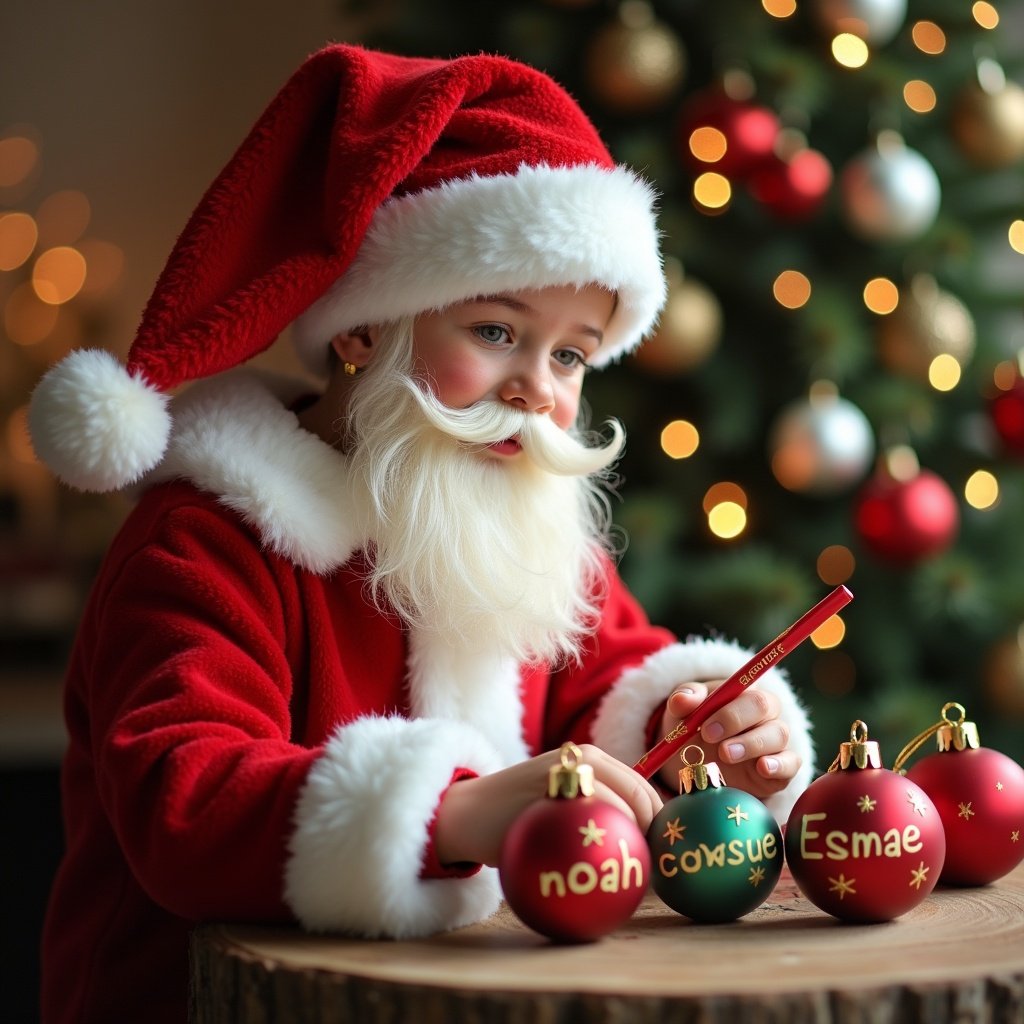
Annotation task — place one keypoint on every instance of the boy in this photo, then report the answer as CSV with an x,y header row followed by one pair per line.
x,y
335,647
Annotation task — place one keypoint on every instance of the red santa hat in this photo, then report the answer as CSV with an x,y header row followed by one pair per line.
x,y
373,186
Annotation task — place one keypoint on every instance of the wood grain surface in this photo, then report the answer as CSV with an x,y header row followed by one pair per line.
x,y
958,957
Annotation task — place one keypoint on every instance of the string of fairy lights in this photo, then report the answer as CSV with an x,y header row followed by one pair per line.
x,y
716,173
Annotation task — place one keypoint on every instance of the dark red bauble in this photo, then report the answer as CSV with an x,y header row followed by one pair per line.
x,y
1007,412
750,132
904,521
865,844
979,794
573,867
793,188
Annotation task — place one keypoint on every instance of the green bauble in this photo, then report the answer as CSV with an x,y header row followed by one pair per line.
x,y
716,852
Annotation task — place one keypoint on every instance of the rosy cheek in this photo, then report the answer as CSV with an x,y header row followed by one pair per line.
x,y
458,383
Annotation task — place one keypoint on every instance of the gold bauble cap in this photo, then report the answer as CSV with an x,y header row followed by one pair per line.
x,y
570,778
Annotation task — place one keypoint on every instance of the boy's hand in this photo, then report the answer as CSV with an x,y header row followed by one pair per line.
x,y
475,814
746,739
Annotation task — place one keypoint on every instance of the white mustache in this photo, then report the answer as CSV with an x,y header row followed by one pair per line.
x,y
543,441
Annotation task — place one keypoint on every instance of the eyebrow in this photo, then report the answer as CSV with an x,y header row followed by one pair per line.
x,y
521,307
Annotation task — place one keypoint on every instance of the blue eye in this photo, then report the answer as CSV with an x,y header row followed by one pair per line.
x,y
493,334
569,358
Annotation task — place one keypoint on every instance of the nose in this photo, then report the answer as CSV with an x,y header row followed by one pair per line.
x,y
528,386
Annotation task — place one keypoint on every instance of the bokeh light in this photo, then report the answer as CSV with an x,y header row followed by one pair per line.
x,y
18,237
836,564
791,289
1005,374
723,491
919,96
849,50
829,634
63,218
680,439
27,320
712,192
18,158
985,14
881,295
944,372
727,520
779,8
708,144
981,490
928,37
1016,235
59,274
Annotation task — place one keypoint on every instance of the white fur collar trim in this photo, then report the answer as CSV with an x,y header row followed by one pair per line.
x,y
235,437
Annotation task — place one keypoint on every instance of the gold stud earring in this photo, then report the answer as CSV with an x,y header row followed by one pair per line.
x,y
349,368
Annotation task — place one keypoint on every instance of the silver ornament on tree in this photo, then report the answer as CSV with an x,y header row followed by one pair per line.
x,y
927,322
874,21
821,445
890,193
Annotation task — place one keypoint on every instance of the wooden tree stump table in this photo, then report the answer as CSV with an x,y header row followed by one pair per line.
x,y
958,957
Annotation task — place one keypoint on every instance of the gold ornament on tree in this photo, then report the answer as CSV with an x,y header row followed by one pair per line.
x,y
927,322
1003,675
987,121
636,62
690,327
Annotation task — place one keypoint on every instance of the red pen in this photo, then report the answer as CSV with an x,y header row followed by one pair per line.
x,y
787,641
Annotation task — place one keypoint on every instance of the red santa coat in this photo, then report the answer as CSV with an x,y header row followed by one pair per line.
x,y
252,740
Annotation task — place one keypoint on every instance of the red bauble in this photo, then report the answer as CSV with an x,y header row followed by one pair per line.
x,y
979,794
573,867
749,133
1007,412
904,519
794,187
863,843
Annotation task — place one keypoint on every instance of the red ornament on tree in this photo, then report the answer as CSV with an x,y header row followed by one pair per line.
x,y
731,136
1007,411
573,867
792,186
863,843
979,795
904,513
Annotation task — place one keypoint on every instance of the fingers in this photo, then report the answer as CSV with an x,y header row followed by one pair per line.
x,y
686,698
749,710
623,787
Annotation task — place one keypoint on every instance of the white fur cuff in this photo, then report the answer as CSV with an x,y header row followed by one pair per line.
x,y
621,724
362,826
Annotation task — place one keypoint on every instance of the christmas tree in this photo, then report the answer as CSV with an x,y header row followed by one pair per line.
x,y
835,393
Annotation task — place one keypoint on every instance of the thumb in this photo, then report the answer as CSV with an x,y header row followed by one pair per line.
x,y
685,698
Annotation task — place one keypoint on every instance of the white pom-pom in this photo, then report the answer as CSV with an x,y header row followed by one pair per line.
x,y
95,425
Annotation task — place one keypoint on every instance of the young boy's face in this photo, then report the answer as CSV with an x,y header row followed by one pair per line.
x,y
528,348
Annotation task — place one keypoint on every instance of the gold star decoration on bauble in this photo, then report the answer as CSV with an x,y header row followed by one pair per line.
x,y
918,803
756,876
1015,836
737,814
843,886
999,786
673,832
592,834
865,803
965,811
919,875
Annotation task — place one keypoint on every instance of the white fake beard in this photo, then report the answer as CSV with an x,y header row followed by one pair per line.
x,y
499,555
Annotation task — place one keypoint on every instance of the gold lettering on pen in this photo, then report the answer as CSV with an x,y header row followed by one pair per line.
x,y
761,664
680,730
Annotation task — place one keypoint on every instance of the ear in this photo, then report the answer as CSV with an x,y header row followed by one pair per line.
x,y
356,346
